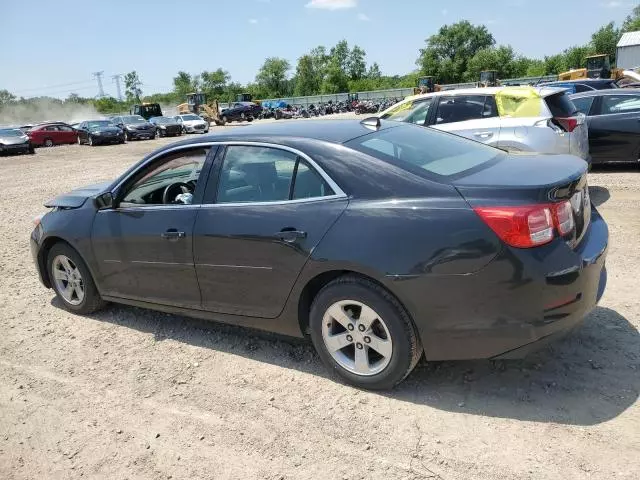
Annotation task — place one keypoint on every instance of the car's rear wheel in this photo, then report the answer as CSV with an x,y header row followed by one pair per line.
x,y
90,141
48,142
72,280
363,333
225,119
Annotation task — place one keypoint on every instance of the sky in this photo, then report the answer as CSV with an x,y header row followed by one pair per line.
x,y
53,47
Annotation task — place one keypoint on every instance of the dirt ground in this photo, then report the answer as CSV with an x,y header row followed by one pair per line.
x,y
131,393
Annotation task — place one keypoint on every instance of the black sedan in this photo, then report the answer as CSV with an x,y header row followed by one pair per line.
x,y
135,127
14,140
166,126
241,111
613,117
96,132
379,240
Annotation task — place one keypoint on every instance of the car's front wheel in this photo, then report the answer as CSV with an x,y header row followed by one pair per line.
x,y
363,333
72,280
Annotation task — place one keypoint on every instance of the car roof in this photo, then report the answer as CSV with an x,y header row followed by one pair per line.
x,y
542,90
612,91
586,81
333,131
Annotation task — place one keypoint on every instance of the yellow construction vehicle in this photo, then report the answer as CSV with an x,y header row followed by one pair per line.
x,y
426,85
197,103
488,78
598,66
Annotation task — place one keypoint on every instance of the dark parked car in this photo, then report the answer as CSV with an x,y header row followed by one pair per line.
x,y
241,111
379,240
96,132
613,118
166,126
583,84
135,127
50,134
14,140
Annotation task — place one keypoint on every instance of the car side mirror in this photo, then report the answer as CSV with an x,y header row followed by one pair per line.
x,y
105,200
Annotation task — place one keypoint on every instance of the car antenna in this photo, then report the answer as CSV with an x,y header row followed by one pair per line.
x,y
371,122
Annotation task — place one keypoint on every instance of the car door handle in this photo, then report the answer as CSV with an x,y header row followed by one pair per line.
x,y
483,134
172,234
290,235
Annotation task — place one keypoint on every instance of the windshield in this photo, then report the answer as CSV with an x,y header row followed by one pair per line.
x,y
437,153
133,119
191,117
99,124
10,132
163,120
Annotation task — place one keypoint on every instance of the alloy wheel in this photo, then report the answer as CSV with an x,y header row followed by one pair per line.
x,y
356,337
68,279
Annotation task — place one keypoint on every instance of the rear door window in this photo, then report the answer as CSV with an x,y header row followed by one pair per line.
x,y
460,108
620,104
560,105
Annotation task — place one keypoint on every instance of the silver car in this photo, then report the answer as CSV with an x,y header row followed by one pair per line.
x,y
517,119
192,123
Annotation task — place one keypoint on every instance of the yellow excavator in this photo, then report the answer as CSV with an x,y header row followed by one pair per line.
x,y
598,66
197,103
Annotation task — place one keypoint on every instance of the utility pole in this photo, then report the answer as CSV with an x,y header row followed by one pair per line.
x,y
116,78
98,76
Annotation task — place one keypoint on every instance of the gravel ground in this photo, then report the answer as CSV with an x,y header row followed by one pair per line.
x,y
131,393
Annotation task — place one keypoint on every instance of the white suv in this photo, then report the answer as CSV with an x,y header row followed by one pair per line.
x,y
522,119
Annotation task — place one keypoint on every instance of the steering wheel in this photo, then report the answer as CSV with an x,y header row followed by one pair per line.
x,y
170,191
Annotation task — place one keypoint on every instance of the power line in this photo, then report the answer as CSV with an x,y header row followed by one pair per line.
x,y
98,76
116,78
91,87
53,86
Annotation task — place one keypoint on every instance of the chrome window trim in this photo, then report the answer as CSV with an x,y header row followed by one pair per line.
x,y
338,192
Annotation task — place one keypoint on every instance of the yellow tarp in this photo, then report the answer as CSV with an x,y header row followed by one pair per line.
x,y
518,102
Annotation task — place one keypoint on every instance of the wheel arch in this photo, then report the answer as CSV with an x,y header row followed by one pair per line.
x,y
47,244
319,281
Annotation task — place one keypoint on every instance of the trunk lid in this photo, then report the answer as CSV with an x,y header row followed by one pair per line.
x,y
531,179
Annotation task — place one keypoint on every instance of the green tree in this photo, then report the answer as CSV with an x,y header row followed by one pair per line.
x,y
6,97
132,87
632,22
374,72
605,40
336,80
306,78
502,59
184,83
340,55
447,53
555,64
575,57
109,105
214,83
320,61
272,76
536,68
231,90
356,64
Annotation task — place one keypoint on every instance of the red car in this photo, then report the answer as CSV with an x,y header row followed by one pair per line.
x,y
50,134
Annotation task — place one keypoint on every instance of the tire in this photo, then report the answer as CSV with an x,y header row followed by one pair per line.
x,y
127,138
32,150
91,300
48,142
79,140
391,323
90,141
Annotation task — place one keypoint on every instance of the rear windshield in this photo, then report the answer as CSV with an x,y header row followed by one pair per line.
x,y
561,105
437,153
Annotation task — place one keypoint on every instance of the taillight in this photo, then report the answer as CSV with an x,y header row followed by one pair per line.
x,y
528,226
563,217
567,123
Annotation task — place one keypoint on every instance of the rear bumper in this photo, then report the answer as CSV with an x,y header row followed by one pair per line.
x,y
517,303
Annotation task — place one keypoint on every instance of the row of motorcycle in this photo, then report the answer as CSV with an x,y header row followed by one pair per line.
x,y
328,108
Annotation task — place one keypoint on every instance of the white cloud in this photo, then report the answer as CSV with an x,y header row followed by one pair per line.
x,y
253,21
444,11
363,17
332,4
612,4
